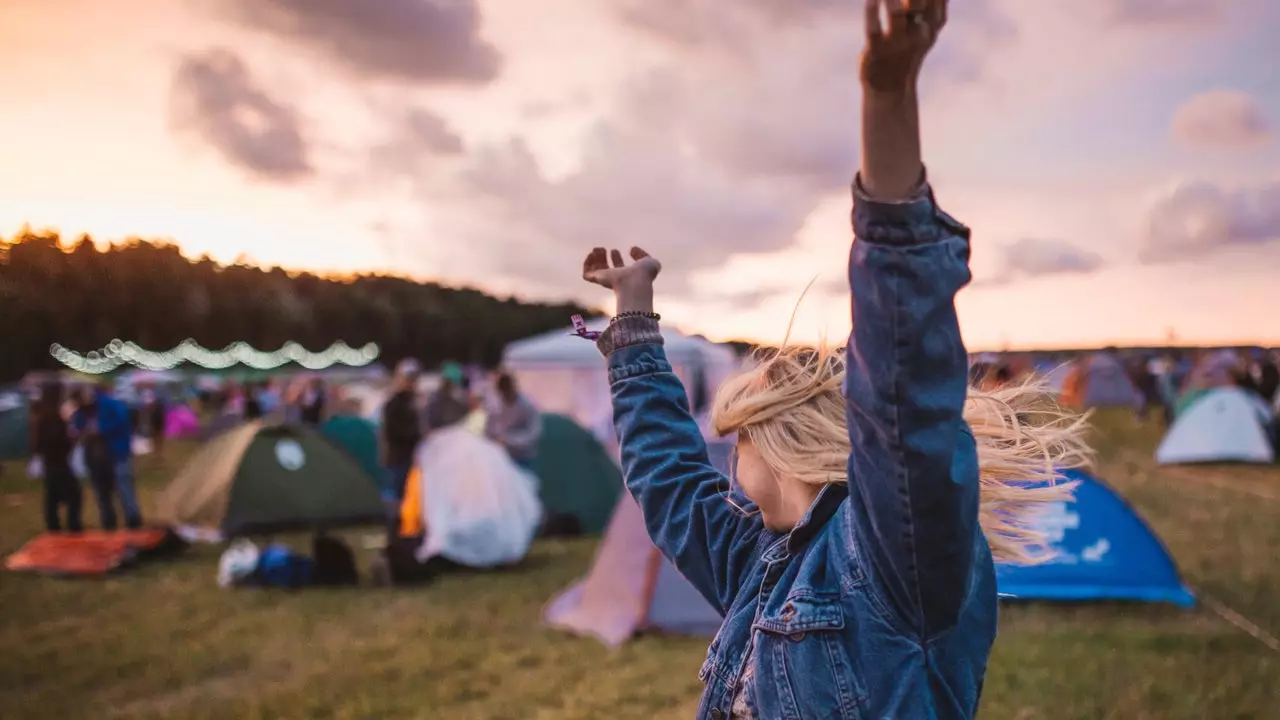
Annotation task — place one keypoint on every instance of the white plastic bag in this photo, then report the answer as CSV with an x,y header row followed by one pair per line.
x,y
79,466
35,468
237,563
142,445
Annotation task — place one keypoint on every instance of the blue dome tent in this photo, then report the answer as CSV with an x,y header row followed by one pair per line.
x,y
1106,552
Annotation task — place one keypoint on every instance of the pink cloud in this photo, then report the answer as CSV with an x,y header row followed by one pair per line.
x,y
1223,119
1198,219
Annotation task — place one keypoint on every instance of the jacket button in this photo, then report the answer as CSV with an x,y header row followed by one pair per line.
x,y
717,714
788,611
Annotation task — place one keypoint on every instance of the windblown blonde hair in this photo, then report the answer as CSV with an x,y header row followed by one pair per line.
x,y
790,405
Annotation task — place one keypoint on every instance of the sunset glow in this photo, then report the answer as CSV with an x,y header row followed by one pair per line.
x,y
1117,160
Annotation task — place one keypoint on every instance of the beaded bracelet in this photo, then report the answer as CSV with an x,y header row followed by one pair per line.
x,y
636,313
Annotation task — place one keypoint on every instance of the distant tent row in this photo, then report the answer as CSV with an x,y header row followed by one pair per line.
x,y
261,477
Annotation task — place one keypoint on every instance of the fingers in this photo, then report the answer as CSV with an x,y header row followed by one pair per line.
x,y
638,253
875,28
898,17
616,257
596,261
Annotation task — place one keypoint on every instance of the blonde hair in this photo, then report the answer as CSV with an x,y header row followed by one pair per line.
x,y
790,405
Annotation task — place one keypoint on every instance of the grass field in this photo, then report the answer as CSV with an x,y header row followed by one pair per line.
x,y
163,641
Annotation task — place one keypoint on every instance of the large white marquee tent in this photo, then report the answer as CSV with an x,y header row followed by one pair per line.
x,y
563,373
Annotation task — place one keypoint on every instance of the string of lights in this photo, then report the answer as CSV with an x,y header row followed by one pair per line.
x,y
118,353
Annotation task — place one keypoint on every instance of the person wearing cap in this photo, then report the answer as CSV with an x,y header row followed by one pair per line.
x,y
449,404
401,433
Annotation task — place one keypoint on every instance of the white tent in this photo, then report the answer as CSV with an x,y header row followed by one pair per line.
x,y
1225,425
482,510
563,373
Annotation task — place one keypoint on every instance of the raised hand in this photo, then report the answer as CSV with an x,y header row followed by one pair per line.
x,y
632,284
891,159
643,270
895,50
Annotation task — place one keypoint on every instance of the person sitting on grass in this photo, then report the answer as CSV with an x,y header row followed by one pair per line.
x,y
852,549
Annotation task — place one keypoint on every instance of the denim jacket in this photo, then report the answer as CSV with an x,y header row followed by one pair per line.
x,y
881,602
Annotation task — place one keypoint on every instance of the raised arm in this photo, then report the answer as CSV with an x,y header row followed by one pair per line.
x,y
683,498
913,466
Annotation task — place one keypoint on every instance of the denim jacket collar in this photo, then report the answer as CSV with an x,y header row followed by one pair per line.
x,y
822,510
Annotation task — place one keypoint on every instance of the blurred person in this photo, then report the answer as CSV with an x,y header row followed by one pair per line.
x,y
51,442
103,427
250,400
1268,378
1139,370
153,415
449,404
851,550
400,435
514,423
312,401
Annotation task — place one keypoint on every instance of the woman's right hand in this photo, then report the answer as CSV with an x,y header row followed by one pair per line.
x,y
631,284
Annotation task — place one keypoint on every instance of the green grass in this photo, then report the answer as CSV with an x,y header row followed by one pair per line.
x,y
163,641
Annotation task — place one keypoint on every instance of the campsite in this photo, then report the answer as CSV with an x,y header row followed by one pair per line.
x,y
163,641
622,359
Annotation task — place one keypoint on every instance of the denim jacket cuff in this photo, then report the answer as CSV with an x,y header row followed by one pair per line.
x,y
914,221
627,331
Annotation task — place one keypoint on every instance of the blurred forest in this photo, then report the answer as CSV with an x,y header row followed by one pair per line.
x,y
148,292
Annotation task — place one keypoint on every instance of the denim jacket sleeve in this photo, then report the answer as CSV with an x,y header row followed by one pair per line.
x,y
913,471
667,469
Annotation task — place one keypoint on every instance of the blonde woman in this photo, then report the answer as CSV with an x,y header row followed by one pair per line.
x,y
856,577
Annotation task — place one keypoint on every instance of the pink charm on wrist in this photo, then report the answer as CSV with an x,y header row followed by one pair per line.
x,y
580,329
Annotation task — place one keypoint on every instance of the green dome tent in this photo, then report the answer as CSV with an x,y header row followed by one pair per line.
x,y
15,425
358,437
576,475
267,478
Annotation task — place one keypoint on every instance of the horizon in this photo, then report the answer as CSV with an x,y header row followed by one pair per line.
x,y
1113,196
66,243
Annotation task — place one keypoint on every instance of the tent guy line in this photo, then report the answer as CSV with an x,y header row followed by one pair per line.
x,y
1243,623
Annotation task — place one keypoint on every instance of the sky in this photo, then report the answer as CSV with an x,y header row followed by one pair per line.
x,y
1117,160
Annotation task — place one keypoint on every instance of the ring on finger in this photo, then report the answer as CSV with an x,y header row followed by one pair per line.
x,y
917,18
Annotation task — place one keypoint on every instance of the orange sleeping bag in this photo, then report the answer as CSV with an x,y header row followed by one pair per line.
x,y
92,552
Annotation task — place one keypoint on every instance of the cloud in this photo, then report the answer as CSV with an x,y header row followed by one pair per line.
x,y
413,40
724,150
215,97
1030,258
418,143
1197,219
1223,119
1154,12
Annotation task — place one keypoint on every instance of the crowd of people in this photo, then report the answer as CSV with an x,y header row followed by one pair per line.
x,y
88,433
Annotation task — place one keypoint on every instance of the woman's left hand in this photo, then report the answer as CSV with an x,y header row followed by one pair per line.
x,y
641,272
894,54
632,284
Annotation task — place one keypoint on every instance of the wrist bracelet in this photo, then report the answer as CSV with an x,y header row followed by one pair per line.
x,y
636,313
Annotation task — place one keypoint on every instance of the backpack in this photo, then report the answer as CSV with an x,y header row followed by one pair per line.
x,y
335,564
279,566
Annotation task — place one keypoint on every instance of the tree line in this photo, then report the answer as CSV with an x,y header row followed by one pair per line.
x,y
82,297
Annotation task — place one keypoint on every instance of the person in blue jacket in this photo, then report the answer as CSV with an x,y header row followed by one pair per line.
x,y
851,550
104,428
